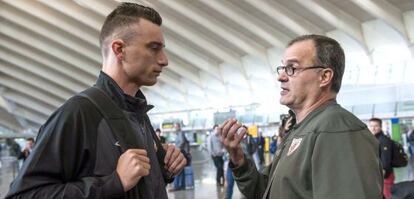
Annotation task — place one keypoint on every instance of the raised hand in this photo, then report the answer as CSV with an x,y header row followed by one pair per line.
x,y
231,139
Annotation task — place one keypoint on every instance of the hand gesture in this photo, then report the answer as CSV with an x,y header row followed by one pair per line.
x,y
174,160
132,165
231,139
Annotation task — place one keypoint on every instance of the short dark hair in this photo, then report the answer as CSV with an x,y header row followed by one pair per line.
x,y
30,139
329,53
215,125
158,130
123,16
374,119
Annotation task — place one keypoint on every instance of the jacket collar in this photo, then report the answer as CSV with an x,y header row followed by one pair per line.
x,y
137,103
315,112
380,134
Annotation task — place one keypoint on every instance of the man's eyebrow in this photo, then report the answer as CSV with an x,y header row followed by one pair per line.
x,y
156,43
290,61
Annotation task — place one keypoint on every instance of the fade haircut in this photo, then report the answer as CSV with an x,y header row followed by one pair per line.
x,y
119,22
377,120
329,53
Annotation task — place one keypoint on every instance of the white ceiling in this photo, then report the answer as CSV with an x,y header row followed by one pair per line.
x,y
221,52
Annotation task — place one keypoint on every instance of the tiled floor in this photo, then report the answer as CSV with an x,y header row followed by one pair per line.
x,y
205,184
204,174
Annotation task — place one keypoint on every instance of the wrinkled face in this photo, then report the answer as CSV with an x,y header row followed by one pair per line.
x,y
144,56
374,127
297,88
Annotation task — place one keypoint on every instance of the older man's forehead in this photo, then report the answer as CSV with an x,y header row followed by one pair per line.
x,y
290,61
299,51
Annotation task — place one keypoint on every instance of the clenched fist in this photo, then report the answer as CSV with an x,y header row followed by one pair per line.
x,y
174,160
132,165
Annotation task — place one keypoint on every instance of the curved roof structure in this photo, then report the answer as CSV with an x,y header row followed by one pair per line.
x,y
221,53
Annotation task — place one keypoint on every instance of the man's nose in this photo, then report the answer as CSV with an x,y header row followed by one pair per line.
x,y
162,59
282,76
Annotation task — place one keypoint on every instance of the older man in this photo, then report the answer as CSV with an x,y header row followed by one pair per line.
x,y
329,153
78,154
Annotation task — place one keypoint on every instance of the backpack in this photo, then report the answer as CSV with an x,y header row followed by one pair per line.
x,y
399,157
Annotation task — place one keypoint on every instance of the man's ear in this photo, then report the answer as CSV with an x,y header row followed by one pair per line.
x,y
117,47
326,77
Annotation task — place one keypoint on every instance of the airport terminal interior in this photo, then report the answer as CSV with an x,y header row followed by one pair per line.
x,y
222,60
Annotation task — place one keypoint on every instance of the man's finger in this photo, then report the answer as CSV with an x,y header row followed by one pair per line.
x,y
173,156
137,151
180,166
240,136
175,163
221,129
170,150
233,131
143,159
145,165
227,127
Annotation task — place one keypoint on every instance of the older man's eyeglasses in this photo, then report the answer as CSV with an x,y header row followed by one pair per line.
x,y
290,70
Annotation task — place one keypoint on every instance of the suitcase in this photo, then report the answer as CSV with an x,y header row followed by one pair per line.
x,y
189,177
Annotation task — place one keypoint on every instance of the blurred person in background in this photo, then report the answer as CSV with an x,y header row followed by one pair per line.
x,y
410,141
260,149
216,150
30,142
375,126
287,121
160,136
13,147
183,144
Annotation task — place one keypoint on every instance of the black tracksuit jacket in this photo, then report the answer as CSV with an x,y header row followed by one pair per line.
x,y
76,153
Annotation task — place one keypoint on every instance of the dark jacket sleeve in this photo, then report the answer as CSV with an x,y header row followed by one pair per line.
x,y
61,164
386,154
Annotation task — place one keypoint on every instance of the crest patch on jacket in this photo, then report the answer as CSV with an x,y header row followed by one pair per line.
x,y
295,145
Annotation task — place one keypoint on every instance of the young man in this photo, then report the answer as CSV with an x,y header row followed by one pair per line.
x,y
375,126
329,153
77,155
